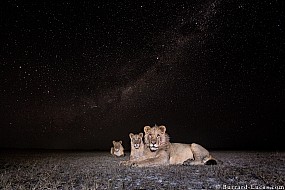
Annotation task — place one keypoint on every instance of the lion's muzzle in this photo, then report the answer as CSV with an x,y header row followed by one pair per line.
x,y
153,146
136,146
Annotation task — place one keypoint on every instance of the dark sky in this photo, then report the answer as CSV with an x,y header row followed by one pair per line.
x,y
80,74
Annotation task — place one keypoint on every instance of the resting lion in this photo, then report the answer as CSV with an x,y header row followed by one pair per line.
x,y
159,151
118,149
137,146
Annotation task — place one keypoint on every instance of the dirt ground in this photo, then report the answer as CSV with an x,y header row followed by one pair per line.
x,y
100,170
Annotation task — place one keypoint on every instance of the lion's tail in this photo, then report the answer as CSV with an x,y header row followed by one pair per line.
x,y
210,160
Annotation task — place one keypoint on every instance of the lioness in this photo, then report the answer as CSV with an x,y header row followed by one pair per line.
x,y
118,149
159,151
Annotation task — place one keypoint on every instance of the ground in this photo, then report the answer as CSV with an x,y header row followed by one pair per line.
x,y
100,170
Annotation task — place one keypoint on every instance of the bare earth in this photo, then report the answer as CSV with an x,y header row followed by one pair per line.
x,y
100,170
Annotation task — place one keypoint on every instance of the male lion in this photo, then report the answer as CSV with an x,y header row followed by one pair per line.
x,y
118,149
159,151
137,146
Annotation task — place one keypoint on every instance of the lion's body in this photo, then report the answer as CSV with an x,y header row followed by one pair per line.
x,y
193,153
179,153
118,149
159,151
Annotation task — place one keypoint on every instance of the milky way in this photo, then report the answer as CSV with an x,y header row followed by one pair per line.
x,y
73,73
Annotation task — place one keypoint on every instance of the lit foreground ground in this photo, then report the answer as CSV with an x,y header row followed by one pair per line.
x,y
99,170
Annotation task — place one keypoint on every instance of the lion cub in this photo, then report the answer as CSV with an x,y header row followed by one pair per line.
x,y
118,149
137,146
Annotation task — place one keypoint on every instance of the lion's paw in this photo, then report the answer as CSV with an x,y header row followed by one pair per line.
x,y
123,163
134,164
126,163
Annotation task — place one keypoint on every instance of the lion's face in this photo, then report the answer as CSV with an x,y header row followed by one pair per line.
x,y
154,136
136,140
117,145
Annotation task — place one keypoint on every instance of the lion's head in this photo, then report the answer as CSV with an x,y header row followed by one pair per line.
x,y
136,140
155,137
117,146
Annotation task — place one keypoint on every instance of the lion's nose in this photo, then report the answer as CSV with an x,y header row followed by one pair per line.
x,y
153,142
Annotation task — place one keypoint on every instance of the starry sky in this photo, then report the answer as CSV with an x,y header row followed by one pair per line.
x,y
77,75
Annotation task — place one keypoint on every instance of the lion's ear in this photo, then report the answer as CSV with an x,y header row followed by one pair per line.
x,y
114,142
121,142
146,129
131,135
162,128
141,135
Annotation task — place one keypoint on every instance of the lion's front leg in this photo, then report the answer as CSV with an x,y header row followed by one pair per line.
x,y
159,160
148,163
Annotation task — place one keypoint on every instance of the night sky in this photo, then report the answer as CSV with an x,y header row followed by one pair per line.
x,y
77,75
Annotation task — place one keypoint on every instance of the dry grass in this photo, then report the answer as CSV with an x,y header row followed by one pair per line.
x,y
100,170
